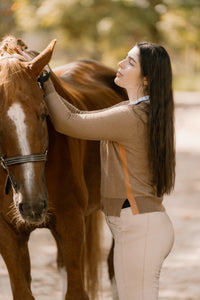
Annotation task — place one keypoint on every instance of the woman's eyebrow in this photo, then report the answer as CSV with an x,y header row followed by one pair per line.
x,y
131,58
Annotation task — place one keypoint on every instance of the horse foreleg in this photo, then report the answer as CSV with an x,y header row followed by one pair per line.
x,y
61,264
14,250
70,233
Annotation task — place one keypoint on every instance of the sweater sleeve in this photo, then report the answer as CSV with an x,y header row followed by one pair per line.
x,y
107,124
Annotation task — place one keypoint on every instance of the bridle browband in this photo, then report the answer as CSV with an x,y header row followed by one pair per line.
x,y
15,160
12,56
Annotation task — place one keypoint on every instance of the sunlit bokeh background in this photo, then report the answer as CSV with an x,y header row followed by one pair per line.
x,y
106,29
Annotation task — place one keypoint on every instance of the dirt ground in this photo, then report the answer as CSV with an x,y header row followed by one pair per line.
x,y
180,276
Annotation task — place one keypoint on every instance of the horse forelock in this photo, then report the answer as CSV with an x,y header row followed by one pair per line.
x,y
10,69
9,45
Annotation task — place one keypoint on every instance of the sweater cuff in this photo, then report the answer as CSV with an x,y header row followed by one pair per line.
x,y
48,88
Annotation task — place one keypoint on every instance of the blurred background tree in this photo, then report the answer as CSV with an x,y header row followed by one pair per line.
x,y
106,29
7,21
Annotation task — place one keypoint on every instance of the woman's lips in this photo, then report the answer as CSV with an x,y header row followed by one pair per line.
x,y
118,74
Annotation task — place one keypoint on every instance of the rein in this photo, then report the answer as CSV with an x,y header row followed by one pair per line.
x,y
15,160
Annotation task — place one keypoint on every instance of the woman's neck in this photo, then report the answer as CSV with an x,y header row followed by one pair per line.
x,y
135,97
135,94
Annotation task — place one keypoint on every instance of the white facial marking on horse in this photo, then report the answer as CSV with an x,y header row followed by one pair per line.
x,y
17,197
16,114
63,274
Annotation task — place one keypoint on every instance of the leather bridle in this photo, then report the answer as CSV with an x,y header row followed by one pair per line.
x,y
15,160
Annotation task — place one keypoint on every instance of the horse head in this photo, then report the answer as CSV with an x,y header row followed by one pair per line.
x,y
23,129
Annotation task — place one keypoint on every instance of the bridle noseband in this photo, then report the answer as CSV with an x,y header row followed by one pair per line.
x,y
15,160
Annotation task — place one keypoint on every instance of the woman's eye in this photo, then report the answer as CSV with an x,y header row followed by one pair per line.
x,y
131,62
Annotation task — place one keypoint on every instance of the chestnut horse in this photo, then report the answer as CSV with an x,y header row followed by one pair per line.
x,y
71,175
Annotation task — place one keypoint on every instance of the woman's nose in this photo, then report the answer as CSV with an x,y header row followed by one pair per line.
x,y
121,63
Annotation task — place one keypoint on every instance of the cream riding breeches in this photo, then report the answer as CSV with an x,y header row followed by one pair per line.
x,y
142,242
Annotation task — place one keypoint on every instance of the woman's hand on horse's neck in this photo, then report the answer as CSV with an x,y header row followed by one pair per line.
x,y
48,87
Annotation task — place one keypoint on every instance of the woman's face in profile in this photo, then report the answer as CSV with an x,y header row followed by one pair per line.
x,y
129,73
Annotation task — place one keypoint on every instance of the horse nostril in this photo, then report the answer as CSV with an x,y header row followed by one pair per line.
x,y
33,210
45,204
42,206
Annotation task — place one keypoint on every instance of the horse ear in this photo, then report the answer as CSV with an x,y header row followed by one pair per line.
x,y
40,61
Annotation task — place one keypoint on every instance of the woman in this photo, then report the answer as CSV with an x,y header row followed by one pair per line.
x,y
137,165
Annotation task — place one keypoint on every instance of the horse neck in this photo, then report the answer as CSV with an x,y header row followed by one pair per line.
x,y
64,89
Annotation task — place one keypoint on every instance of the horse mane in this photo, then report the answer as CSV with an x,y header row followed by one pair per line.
x,y
9,45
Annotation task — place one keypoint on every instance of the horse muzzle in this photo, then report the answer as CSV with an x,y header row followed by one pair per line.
x,y
34,212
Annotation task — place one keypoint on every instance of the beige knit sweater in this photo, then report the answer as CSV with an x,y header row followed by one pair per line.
x,y
122,130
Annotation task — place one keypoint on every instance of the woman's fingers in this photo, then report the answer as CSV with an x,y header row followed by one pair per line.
x,y
24,54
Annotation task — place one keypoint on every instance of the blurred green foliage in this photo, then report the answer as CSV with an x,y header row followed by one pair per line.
x,y
106,29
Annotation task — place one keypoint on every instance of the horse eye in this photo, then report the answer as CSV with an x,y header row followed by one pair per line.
x,y
43,116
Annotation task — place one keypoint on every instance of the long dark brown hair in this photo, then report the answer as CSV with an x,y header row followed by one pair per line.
x,y
156,67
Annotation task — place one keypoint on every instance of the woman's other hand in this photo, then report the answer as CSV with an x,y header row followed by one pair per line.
x,y
25,54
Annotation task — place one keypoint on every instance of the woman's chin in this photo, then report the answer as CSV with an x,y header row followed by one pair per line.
x,y
117,81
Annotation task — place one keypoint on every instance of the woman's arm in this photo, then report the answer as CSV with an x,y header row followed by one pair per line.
x,y
107,124
49,88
